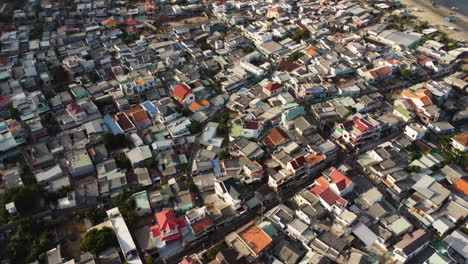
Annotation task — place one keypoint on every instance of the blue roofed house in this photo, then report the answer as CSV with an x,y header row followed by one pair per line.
x,y
291,113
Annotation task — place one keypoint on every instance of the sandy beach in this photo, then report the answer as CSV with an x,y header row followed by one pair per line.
x,y
435,16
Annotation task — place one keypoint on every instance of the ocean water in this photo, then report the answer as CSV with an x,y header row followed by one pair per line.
x,y
462,5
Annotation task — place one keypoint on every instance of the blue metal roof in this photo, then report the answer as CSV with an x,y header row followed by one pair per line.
x,y
111,125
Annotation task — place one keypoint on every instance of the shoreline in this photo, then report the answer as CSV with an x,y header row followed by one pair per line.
x,y
435,16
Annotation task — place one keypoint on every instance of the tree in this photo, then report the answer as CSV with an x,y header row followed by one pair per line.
x,y
204,45
214,250
405,72
224,155
151,163
149,260
294,56
414,168
195,127
123,162
59,74
300,34
93,76
113,142
96,241
414,155
128,210
14,113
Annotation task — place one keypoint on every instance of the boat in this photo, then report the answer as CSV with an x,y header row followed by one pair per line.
x,y
454,8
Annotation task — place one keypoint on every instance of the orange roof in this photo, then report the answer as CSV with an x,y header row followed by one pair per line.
x,y
275,137
181,92
109,22
312,51
133,110
461,185
425,92
204,102
322,182
421,96
256,238
202,224
312,158
195,106
140,115
462,139
384,71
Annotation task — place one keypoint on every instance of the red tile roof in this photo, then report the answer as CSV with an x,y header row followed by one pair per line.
x,y
123,121
275,137
273,86
181,92
298,162
74,108
202,225
166,220
341,181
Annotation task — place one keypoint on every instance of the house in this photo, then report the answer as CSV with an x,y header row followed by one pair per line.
x,y
415,131
411,245
251,129
76,112
329,199
168,228
227,188
142,203
275,12
457,243
183,94
127,245
275,138
460,142
273,88
199,221
359,129
139,155
336,180
250,239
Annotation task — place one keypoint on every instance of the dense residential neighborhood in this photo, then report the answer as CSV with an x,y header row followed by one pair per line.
x,y
231,132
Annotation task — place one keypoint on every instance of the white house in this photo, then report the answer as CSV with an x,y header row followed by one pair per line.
x,y
460,142
415,131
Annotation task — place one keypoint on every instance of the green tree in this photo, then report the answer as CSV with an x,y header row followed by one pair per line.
x,y
214,250
414,155
14,113
414,168
405,72
204,45
294,56
128,210
224,155
113,142
93,76
300,34
59,74
96,241
195,127
123,162
149,260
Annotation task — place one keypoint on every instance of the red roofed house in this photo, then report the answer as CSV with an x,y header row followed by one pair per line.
x,y
275,138
337,181
329,199
275,13
168,229
76,112
199,221
183,94
359,129
273,88
298,166
123,122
